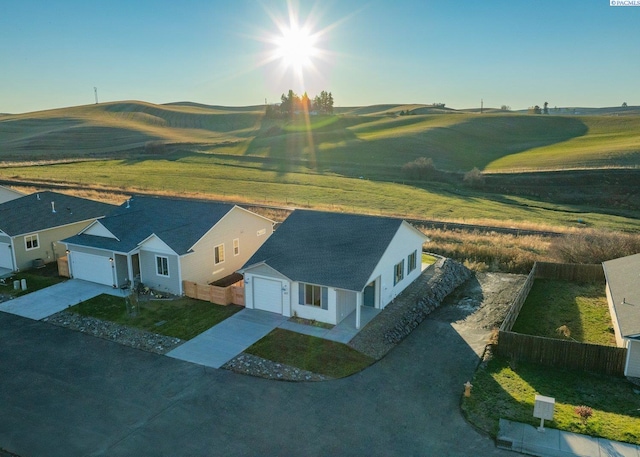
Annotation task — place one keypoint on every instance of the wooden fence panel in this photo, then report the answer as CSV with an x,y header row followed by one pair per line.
x,y
570,271
63,267
219,295
562,353
516,306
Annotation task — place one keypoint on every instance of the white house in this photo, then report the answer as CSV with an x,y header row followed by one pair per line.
x,y
162,242
623,295
325,266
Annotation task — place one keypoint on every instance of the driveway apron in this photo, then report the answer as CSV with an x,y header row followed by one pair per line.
x,y
222,342
53,299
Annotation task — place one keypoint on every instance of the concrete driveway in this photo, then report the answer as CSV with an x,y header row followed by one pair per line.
x,y
64,393
53,299
222,342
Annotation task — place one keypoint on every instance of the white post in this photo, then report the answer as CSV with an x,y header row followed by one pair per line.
x,y
358,310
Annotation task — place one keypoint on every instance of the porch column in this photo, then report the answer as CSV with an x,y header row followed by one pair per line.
x,y
359,300
130,270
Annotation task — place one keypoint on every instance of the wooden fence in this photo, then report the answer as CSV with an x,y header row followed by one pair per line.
x,y
570,271
556,352
551,352
63,267
214,294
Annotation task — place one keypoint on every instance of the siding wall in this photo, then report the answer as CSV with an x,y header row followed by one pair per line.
x,y
238,223
633,359
150,278
46,249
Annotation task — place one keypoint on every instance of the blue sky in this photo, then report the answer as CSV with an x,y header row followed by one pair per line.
x,y
517,53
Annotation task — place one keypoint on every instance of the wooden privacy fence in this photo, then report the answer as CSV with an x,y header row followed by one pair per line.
x,y
555,352
551,352
214,294
63,267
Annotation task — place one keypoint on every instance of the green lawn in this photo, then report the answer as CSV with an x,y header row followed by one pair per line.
x,y
502,392
36,279
581,307
310,353
182,318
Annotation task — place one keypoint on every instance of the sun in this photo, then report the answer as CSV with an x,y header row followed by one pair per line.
x,y
296,47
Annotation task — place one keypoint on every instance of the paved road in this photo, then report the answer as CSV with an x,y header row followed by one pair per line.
x,y
63,393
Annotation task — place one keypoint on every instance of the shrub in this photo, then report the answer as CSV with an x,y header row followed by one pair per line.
x,y
584,412
421,168
474,178
595,246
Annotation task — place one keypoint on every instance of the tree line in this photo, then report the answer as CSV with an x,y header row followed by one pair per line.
x,y
291,103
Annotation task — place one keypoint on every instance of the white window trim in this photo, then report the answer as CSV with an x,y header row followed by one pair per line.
x,y
157,272
397,280
214,254
31,237
236,246
410,267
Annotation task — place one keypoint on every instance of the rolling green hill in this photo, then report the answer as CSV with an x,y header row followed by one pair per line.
x,y
353,160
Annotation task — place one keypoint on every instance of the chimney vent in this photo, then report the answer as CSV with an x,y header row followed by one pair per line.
x,y
128,205
53,207
38,196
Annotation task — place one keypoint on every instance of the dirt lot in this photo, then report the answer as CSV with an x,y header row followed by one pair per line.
x,y
483,301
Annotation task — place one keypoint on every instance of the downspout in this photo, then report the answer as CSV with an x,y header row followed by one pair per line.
x,y
14,261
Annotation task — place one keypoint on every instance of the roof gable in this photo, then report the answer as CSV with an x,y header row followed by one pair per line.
x,y
623,279
47,210
331,249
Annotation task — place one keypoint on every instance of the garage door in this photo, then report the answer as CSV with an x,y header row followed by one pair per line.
x,y
267,295
92,268
5,256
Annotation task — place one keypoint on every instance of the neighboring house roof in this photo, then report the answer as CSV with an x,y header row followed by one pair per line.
x,y
329,249
178,223
7,194
33,213
623,278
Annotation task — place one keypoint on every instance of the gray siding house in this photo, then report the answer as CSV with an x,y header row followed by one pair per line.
x,y
162,242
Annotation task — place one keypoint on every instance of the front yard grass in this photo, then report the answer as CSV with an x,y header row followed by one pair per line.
x,y
502,392
36,279
579,310
310,353
182,318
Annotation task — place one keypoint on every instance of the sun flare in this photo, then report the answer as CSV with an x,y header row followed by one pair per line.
x,y
296,47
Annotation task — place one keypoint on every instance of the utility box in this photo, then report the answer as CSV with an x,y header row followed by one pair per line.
x,y
543,408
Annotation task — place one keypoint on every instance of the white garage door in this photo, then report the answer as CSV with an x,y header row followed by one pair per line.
x,y
92,268
5,256
267,295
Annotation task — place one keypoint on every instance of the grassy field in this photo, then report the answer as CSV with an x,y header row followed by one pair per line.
x,y
500,391
567,310
182,318
349,162
310,353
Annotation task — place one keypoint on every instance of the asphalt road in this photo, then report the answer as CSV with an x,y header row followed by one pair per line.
x,y
64,393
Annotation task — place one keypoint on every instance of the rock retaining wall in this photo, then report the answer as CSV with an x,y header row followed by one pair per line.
x,y
410,308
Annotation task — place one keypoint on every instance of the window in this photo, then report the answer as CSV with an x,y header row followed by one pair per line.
x,y
162,265
398,272
236,246
31,242
218,254
412,261
312,295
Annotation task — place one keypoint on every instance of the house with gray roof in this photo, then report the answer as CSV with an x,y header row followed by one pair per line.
x,y
325,266
32,225
623,294
162,242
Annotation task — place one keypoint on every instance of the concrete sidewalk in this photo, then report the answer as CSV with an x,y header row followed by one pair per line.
x,y
53,299
341,333
526,439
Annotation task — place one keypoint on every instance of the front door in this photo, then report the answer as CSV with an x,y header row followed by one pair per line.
x,y
369,298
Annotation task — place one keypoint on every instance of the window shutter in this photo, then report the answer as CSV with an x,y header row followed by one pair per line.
x,y
325,298
301,293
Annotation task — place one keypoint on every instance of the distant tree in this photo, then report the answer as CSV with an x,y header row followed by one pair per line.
x,y
474,178
546,108
421,168
505,108
534,110
305,103
624,104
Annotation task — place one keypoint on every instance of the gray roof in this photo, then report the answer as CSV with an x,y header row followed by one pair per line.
x,y
329,249
33,213
623,277
179,223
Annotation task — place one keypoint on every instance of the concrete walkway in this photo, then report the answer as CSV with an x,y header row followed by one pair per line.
x,y
527,439
222,342
53,299
342,333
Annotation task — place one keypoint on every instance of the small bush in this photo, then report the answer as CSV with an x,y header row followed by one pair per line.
x,y
474,178
421,168
584,412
